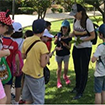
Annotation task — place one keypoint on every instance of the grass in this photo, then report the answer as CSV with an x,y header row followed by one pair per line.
x,y
63,95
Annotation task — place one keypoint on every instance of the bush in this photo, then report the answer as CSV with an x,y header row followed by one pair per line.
x,y
60,10
53,10
26,10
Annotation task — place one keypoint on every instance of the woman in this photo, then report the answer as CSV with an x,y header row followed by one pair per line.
x,y
82,51
63,52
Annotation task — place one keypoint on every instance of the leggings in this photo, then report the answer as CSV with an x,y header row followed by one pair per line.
x,y
81,58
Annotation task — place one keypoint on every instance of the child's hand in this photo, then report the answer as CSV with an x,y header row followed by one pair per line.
x,y
58,48
93,59
7,52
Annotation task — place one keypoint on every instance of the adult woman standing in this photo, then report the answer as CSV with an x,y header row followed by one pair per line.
x,y
83,27
63,52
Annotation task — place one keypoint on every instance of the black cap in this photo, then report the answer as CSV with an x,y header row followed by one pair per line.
x,y
38,26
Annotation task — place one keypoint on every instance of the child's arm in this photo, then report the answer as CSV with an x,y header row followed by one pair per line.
x,y
4,52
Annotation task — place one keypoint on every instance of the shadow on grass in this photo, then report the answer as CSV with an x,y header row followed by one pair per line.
x,y
63,95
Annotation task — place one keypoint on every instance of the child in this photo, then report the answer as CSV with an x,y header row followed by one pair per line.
x,y
28,33
48,43
99,74
9,43
63,52
5,20
17,36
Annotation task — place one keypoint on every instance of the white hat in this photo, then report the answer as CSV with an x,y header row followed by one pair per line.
x,y
17,26
47,34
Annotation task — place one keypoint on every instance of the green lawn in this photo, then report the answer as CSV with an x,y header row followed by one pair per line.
x,y
63,95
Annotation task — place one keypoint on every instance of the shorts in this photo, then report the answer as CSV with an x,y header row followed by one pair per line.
x,y
17,81
65,58
34,90
99,84
2,92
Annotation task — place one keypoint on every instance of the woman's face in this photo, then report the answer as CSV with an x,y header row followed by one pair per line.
x,y
64,30
3,29
78,15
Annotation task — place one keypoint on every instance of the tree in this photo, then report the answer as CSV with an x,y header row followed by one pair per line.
x,y
40,6
97,4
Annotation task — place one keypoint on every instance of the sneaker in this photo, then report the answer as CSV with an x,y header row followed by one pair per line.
x,y
21,102
59,85
67,80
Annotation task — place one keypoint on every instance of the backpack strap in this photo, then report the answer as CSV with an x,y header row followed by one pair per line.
x,y
32,46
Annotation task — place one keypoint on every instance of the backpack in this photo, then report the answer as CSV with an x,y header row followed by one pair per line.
x,y
14,65
5,72
94,41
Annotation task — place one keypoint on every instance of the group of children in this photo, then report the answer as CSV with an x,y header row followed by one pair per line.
x,y
12,41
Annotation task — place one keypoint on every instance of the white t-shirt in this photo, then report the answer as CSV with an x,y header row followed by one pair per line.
x,y
89,27
20,42
100,69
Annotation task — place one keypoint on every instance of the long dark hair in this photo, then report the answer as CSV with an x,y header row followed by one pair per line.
x,y
84,15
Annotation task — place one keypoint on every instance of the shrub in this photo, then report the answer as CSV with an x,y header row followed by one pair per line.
x,y
53,10
60,10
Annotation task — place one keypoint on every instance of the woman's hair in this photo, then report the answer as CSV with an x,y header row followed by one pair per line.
x,y
84,15
17,35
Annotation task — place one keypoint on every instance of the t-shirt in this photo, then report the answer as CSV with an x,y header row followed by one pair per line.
x,y
13,47
89,27
32,66
100,69
20,42
65,51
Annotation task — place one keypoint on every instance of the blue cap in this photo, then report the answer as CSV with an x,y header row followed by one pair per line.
x,y
102,29
65,23
38,26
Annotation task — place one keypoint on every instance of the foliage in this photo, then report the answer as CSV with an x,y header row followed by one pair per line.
x,y
40,6
97,4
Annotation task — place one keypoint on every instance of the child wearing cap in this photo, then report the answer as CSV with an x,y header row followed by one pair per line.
x,y
18,37
36,59
5,23
99,75
63,52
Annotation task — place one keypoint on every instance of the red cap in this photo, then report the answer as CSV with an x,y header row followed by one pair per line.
x,y
5,19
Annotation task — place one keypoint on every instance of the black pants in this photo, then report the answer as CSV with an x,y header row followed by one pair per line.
x,y
81,58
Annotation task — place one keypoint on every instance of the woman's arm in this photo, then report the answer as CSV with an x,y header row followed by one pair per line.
x,y
80,33
91,37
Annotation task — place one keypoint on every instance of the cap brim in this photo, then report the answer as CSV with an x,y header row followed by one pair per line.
x,y
72,13
48,35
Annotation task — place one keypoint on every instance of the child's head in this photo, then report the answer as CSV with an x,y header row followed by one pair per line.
x,y
102,31
28,33
65,27
17,30
5,23
48,25
46,36
38,27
